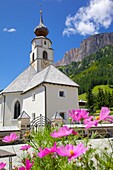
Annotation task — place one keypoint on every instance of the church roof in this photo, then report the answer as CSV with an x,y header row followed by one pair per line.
x,y
50,75
20,83
30,79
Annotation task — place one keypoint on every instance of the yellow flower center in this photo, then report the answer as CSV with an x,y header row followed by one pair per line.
x,y
71,152
98,117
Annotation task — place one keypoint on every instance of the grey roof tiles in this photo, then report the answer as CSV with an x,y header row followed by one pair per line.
x,y
30,79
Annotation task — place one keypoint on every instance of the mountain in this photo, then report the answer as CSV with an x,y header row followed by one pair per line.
x,y
95,69
87,47
69,56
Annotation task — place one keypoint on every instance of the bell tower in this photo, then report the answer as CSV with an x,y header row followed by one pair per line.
x,y
42,54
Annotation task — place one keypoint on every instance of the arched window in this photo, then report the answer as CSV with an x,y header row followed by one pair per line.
x,y
45,57
33,57
16,109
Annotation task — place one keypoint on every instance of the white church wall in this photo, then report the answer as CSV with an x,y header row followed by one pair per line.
x,y
34,102
10,100
35,55
59,104
1,111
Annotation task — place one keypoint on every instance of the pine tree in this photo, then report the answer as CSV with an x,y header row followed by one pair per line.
x,y
100,99
90,100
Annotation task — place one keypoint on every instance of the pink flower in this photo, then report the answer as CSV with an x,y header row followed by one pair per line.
x,y
28,165
2,165
91,123
25,147
47,151
104,115
10,138
63,131
71,151
79,115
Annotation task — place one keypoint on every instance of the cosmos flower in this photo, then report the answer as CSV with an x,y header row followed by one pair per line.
x,y
47,151
2,165
104,115
71,151
27,166
10,138
63,131
25,147
79,115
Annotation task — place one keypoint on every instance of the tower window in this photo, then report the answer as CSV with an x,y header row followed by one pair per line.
x,y
33,57
45,57
16,109
45,42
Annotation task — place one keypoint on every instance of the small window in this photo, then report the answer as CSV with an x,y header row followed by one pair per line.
x,y
33,57
62,115
45,42
33,97
61,94
33,116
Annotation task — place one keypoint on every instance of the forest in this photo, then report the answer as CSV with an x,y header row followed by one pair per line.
x,y
96,69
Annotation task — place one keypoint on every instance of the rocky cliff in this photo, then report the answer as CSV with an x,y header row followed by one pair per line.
x,y
87,47
69,56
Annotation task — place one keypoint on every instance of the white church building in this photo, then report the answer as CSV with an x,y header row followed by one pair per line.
x,y
39,89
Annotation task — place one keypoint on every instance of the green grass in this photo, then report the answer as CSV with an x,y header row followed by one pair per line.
x,y
82,96
104,87
95,91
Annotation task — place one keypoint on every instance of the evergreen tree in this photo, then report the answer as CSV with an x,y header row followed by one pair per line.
x,y
100,99
90,100
111,102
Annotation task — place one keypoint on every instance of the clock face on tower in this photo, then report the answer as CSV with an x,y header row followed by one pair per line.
x,y
45,63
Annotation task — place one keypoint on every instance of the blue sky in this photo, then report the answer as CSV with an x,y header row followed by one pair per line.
x,y
69,22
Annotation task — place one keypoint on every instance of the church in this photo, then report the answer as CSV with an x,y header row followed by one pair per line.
x,y
39,89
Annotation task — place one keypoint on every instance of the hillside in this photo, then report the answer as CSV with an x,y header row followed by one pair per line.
x,y
95,91
95,69
87,47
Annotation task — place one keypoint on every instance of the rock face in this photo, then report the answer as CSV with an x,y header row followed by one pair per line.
x,y
87,47
69,56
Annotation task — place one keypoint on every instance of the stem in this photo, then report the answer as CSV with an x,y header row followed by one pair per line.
x,y
16,153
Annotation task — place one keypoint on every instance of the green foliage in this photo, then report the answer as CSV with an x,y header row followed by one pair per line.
x,y
102,98
95,91
93,159
90,100
93,70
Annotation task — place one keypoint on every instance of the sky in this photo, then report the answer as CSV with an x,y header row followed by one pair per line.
x,y
69,23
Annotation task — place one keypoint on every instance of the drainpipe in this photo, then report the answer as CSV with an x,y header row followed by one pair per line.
x,y
4,108
45,101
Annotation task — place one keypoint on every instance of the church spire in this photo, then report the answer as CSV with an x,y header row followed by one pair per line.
x,y
41,29
41,18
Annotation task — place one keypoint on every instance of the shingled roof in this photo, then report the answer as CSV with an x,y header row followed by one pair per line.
x,y
20,83
50,75
30,79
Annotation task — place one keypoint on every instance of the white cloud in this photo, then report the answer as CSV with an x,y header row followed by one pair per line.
x,y
88,20
9,30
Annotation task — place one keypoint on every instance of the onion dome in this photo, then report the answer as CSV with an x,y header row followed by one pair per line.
x,y
41,29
